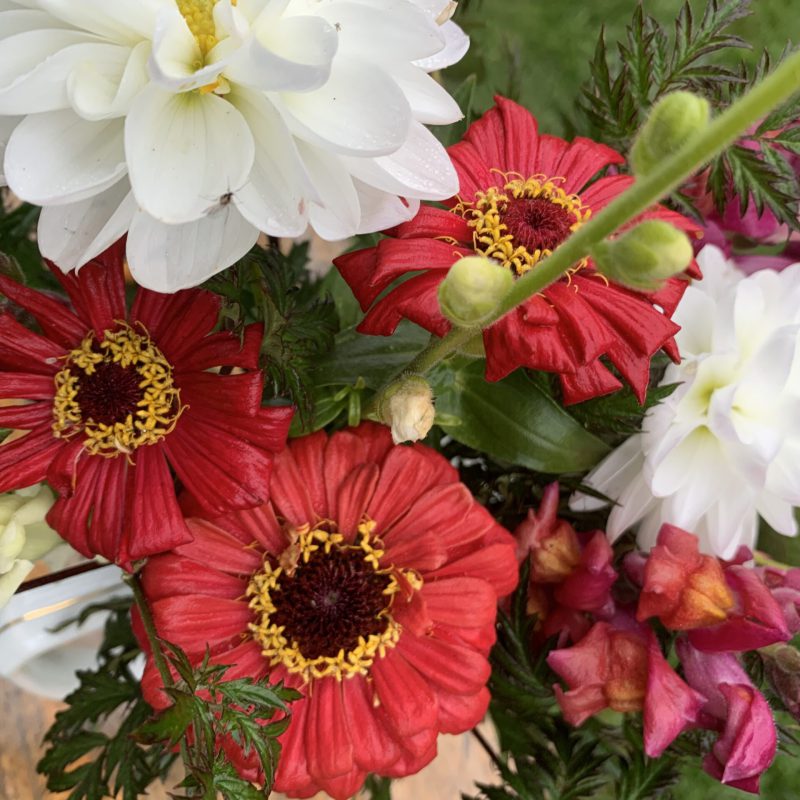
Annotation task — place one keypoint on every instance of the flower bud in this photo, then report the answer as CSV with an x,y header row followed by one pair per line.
x,y
407,406
472,290
644,257
673,120
782,667
24,535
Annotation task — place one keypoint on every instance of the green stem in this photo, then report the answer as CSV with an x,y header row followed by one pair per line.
x,y
645,192
149,627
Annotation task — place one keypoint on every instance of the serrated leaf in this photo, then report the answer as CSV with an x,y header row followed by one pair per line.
x,y
512,420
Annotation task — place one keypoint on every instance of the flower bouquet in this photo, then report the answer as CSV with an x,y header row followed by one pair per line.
x,y
519,465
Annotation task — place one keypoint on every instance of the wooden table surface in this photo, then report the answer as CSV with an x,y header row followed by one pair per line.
x,y
26,717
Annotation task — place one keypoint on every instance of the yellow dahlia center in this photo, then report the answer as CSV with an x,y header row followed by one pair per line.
x,y
522,223
199,16
324,608
118,392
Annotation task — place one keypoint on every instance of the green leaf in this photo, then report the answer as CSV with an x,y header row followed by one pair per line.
x,y
371,359
512,420
785,549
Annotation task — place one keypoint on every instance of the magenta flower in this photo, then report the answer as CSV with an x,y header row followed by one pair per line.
x,y
755,621
747,742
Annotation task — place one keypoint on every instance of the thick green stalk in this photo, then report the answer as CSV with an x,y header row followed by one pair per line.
x,y
646,191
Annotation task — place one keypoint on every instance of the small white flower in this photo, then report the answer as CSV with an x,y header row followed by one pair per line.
x,y
724,448
24,535
194,124
408,409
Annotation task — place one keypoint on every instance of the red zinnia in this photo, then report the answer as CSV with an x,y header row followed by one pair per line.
x,y
521,195
370,582
109,398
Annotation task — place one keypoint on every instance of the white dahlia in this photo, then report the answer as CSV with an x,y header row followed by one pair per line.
x,y
724,448
195,124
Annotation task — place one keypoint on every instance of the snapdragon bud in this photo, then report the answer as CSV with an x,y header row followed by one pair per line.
x,y
644,257
782,667
673,120
472,290
407,406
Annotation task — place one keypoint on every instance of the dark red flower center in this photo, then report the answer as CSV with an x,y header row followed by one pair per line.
x,y
110,393
523,222
330,602
118,392
537,223
325,608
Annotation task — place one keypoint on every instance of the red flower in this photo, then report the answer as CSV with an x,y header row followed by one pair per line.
x,y
370,582
748,741
625,670
571,574
111,398
682,587
521,195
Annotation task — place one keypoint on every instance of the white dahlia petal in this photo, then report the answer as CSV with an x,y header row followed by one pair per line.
x,y
238,114
430,103
168,258
7,125
34,67
419,169
72,234
274,196
106,85
121,21
336,213
724,447
290,55
185,151
383,30
176,60
343,115
57,157
382,210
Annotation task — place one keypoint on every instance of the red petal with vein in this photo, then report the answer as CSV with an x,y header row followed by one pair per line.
x,y
26,386
156,522
22,350
326,723
24,461
97,289
408,701
374,749
416,300
179,619
170,575
54,318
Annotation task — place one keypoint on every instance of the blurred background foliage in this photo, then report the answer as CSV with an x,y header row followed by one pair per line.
x,y
538,51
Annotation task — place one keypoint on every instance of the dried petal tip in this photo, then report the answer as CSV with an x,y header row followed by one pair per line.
x,y
674,120
644,257
407,406
472,290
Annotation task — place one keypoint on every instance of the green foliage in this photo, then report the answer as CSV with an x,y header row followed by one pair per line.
x,y
649,64
205,709
19,256
299,324
512,420
784,549
81,758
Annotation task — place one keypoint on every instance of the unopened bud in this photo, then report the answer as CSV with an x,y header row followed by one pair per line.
x,y
643,258
673,120
473,289
407,406
782,668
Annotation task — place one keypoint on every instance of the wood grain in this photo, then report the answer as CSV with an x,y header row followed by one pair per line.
x,y
27,717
